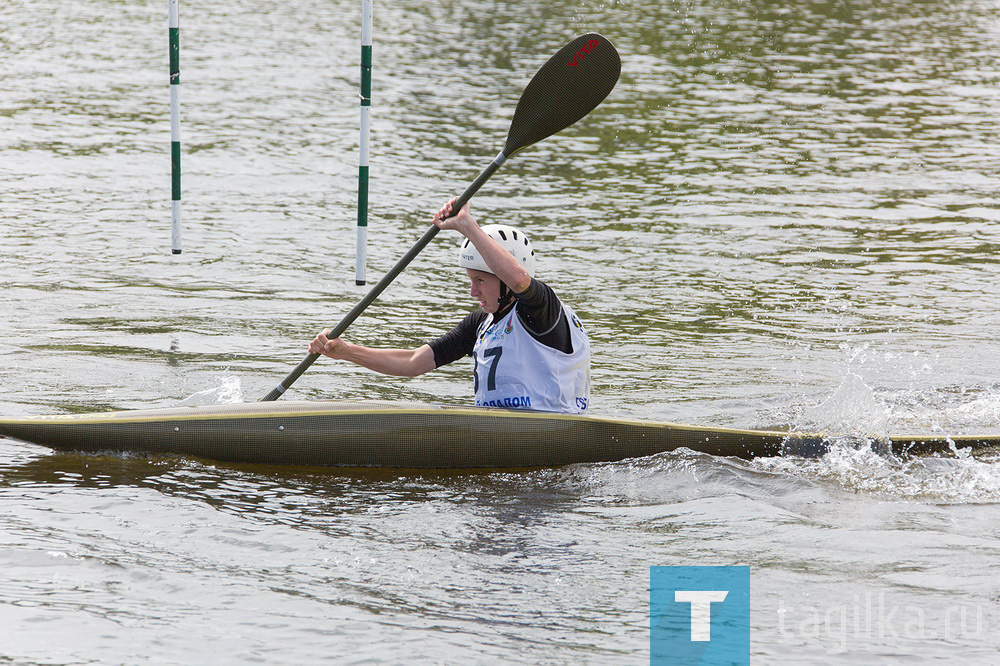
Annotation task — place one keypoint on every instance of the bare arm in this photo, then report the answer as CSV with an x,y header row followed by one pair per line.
x,y
503,265
399,362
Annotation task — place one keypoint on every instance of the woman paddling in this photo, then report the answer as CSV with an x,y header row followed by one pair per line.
x,y
530,350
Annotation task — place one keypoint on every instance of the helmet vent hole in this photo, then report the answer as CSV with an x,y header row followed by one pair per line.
x,y
502,234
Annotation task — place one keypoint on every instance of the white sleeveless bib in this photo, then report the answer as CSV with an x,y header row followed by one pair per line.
x,y
516,371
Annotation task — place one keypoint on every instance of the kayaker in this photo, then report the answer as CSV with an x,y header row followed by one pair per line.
x,y
529,349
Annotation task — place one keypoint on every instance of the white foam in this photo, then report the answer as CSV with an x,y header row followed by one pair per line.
x,y
860,469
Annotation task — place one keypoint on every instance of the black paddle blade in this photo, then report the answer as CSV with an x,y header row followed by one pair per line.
x,y
565,89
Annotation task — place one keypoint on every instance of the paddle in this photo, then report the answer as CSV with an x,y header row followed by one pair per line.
x,y
565,89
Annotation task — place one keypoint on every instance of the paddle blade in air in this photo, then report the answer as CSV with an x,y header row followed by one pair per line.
x,y
565,89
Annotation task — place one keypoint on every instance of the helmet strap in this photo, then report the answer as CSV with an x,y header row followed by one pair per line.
x,y
506,296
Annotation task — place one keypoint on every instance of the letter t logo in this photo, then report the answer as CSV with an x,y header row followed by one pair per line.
x,y
701,610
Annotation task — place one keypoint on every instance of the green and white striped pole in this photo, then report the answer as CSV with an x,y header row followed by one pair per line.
x,y
175,126
366,103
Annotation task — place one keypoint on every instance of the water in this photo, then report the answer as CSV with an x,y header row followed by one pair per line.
x,y
785,215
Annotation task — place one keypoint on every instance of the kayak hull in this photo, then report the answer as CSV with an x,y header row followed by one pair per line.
x,y
404,436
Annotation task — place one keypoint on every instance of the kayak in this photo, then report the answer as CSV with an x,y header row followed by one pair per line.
x,y
413,435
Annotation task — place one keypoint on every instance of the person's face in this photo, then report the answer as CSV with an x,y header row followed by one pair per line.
x,y
485,289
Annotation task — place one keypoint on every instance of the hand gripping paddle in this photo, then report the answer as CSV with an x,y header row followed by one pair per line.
x,y
566,88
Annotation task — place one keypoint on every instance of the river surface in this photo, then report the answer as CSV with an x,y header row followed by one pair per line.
x,y
785,215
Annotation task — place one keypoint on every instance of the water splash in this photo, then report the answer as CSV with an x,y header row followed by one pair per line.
x,y
858,420
852,410
947,409
963,479
229,391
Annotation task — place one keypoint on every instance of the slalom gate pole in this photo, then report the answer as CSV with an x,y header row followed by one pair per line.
x,y
175,127
366,102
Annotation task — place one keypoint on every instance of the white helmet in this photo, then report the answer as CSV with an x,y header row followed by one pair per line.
x,y
510,239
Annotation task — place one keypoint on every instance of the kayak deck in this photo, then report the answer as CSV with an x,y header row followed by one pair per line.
x,y
405,435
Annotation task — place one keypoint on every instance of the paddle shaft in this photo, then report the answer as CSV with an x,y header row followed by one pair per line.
x,y
386,280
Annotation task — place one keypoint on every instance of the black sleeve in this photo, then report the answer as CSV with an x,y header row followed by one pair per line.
x,y
457,342
541,312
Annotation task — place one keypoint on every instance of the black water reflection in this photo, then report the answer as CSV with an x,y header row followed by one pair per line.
x,y
499,511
